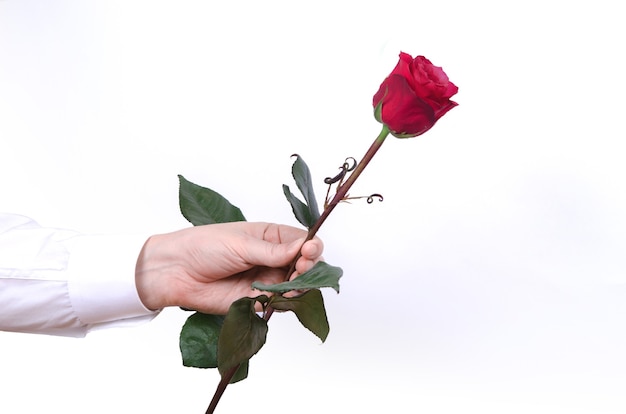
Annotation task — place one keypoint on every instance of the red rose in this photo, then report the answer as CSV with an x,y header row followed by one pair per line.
x,y
413,97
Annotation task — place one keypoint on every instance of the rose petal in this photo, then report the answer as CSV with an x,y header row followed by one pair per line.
x,y
402,110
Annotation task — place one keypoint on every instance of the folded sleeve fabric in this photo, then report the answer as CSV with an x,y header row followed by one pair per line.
x,y
60,282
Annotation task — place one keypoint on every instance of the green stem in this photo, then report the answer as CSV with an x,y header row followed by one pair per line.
x,y
340,195
342,191
221,387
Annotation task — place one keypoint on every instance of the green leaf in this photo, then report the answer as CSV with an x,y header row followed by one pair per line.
x,y
200,205
242,372
309,309
198,340
243,334
321,275
302,176
300,210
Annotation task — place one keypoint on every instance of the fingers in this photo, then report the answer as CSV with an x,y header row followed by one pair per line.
x,y
262,253
273,233
245,244
311,254
312,249
276,245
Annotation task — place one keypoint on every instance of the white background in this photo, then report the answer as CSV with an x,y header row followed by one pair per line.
x,y
492,279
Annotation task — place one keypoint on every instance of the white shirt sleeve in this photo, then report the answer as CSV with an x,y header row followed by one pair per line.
x,y
60,282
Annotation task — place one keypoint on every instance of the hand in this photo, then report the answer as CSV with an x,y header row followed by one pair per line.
x,y
206,268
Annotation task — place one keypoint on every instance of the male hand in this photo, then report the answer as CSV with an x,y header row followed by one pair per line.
x,y
206,268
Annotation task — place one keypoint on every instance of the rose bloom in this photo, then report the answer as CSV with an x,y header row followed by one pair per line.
x,y
413,97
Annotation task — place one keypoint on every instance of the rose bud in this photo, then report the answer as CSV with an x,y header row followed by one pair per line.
x,y
413,97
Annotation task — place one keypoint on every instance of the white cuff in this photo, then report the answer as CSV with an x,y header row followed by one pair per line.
x,y
101,280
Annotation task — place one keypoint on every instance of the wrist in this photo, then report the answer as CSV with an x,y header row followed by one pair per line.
x,y
150,277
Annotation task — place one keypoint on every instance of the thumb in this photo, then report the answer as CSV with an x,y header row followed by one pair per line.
x,y
264,253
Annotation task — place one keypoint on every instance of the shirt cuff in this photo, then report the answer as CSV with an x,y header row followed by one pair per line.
x,y
101,280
